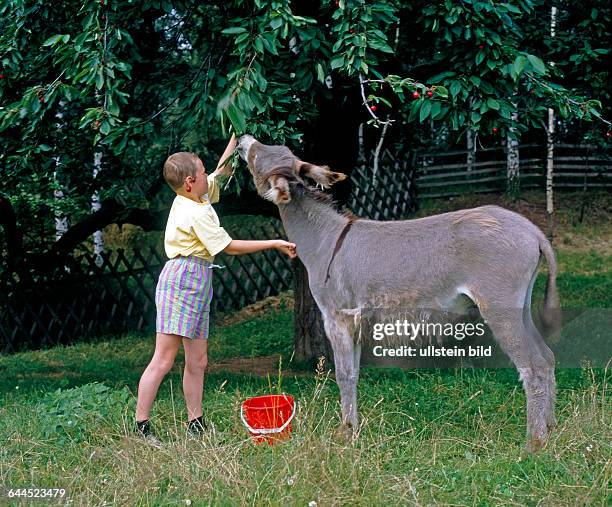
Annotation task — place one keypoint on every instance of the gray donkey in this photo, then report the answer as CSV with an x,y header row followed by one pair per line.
x,y
488,256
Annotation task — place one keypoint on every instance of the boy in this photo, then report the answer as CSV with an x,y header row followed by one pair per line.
x,y
184,290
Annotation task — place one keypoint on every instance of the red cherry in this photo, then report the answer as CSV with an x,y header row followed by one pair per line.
x,y
102,3
481,46
373,108
608,134
337,3
430,94
103,18
415,95
495,130
2,76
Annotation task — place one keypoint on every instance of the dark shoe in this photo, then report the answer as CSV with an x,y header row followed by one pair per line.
x,y
197,427
143,429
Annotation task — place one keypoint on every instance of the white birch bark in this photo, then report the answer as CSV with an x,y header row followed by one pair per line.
x,y
512,160
471,149
470,137
98,236
61,221
550,148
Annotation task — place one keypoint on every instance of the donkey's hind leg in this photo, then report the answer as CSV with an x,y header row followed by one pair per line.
x,y
544,349
535,370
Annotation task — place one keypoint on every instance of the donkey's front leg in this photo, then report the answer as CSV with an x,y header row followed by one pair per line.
x,y
347,371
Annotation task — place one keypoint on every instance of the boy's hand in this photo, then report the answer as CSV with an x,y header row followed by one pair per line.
x,y
286,248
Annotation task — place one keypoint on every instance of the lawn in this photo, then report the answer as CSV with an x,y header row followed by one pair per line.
x,y
450,437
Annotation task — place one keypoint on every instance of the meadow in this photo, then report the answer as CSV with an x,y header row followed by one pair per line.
x,y
428,437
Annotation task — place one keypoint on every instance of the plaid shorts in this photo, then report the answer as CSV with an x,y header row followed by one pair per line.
x,y
183,296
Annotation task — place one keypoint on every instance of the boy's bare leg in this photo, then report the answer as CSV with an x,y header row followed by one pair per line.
x,y
166,347
196,358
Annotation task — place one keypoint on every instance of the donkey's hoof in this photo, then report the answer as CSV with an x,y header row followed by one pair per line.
x,y
344,433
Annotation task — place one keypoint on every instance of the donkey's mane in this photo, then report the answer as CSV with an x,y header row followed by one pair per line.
x,y
300,189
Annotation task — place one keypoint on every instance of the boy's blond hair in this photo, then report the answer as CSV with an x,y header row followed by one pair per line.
x,y
178,166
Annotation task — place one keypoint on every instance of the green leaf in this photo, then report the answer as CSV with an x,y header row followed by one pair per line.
x,y
493,104
435,109
337,62
414,109
441,91
52,40
276,22
99,80
236,117
537,64
320,73
512,8
454,88
234,30
519,65
442,75
424,112
104,128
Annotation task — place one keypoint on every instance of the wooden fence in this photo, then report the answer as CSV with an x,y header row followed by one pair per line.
x,y
83,298
448,173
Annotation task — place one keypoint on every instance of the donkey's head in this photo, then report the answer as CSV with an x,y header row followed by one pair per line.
x,y
275,169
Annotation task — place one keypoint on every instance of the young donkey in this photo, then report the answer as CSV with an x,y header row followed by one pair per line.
x,y
487,254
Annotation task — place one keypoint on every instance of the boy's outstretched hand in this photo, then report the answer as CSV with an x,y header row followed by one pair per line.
x,y
286,248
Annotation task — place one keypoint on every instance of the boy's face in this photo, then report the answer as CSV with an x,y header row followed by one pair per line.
x,y
199,182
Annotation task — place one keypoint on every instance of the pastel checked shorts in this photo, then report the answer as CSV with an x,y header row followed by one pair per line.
x,y
182,297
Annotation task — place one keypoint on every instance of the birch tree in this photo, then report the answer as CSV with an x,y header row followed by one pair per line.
x,y
550,148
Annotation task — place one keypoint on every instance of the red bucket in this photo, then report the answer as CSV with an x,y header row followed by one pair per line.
x,y
268,418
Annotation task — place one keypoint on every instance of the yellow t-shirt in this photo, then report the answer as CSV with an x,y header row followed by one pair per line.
x,y
193,227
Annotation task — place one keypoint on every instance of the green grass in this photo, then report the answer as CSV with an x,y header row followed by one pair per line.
x,y
449,437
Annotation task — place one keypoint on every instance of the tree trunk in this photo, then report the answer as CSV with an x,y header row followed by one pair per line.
x,y
471,149
550,166
332,139
61,221
550,150
98,237
512,161
310,340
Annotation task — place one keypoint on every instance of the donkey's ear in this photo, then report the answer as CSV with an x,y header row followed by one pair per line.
x,y
319,174
279,190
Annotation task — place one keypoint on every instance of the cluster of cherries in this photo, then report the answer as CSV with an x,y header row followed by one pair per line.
x,y
415,95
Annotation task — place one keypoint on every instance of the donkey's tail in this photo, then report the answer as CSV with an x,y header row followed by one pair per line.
x,y
551,313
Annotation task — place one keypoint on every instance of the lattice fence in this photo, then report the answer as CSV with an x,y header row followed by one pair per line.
x,y
386,195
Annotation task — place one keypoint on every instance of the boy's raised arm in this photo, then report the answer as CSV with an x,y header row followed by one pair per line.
x,y
224,166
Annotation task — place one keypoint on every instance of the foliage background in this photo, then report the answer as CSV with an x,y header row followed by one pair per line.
x,y
132,81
